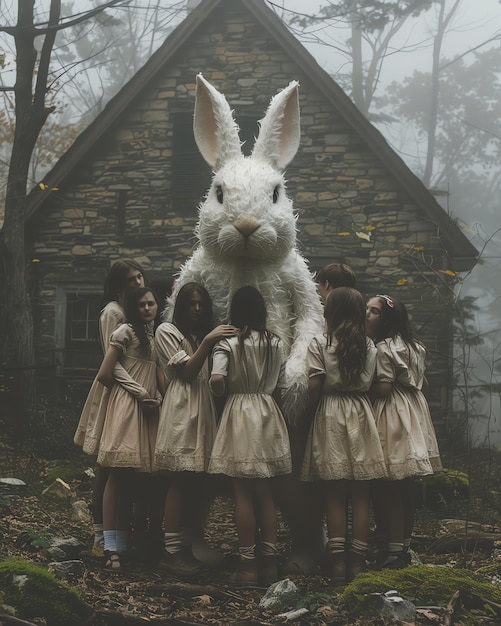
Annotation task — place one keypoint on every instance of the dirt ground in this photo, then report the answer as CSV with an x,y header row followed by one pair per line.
x,y
141,594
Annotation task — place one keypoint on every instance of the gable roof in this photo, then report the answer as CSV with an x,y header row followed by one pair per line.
x,y
460,249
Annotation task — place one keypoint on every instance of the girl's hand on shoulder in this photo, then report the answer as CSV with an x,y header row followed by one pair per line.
x,y
222,331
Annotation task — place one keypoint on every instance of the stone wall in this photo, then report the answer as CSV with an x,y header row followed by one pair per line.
x,y
350,207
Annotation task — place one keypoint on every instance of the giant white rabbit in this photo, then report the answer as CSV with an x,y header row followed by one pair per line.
x,y
247,226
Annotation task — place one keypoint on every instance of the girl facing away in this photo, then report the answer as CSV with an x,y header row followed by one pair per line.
x,y
404,424
188,418
343,448
123,275
130,425
252,442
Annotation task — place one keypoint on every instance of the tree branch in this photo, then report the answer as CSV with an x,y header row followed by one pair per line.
x,y
83,17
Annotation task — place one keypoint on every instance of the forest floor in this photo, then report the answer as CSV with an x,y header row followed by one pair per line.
x,y
140,594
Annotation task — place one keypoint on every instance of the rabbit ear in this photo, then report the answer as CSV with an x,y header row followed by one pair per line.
x,y
280,130
215,130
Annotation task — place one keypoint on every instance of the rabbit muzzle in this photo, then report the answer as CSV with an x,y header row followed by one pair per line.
x,y
246,225
245,237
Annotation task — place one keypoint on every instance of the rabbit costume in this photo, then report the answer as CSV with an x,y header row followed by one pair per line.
x,y
247,228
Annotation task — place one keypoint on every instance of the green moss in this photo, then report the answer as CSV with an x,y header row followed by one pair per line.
x,y
66,470
35,592
491,570
449,480
419,584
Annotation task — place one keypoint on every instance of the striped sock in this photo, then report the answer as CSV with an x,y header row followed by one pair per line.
x,y
173,542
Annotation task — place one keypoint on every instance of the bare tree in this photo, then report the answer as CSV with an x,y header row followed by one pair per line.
x,y
32,84
373,26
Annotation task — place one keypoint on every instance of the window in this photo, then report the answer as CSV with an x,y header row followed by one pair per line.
x,y
82,318
77,332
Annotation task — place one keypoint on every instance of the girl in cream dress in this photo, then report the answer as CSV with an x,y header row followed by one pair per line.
x,y
343,448
252,442
403,421
130,424
187,424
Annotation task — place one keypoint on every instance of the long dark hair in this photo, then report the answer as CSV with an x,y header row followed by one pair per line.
x,y
133,316
180,316
248,313
345,313
395,321
115,284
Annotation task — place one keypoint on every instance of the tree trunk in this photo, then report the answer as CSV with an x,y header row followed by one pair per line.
x,y
18,311
358,78
18,324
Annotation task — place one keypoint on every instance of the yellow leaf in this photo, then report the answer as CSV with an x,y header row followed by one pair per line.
x,y
402,281
35,260
366,236
42,186
408,246
419,248
344,233
466,228
449,272
54,188
369,227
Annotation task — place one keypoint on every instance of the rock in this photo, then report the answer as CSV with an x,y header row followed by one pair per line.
x,y
80,511
64,548
17,482
12,486
393,606
67,569
279,596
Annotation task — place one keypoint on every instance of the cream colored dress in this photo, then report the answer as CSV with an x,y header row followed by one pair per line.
x,y
128,436
343,441
403,418
90,425
188,417
252,439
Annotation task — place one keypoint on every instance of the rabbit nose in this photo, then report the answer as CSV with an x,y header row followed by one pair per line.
x,y
246,224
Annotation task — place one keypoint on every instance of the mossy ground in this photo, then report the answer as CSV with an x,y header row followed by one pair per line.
x,y
35,592
422,585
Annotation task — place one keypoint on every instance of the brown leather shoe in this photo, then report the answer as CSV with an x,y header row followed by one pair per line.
x,y
356,565
180,564
269,569
337,567
246,573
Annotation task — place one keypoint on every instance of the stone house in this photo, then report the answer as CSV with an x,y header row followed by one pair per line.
x,y
130,185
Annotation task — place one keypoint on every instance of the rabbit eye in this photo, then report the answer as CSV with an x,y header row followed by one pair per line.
x,y
275,194
219,194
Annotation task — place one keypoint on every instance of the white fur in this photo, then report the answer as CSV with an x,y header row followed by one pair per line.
x,y
249,239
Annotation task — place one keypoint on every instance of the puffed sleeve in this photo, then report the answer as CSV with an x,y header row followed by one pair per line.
x,y
221,358
121,338
171,355
385,364
315,358
112,316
